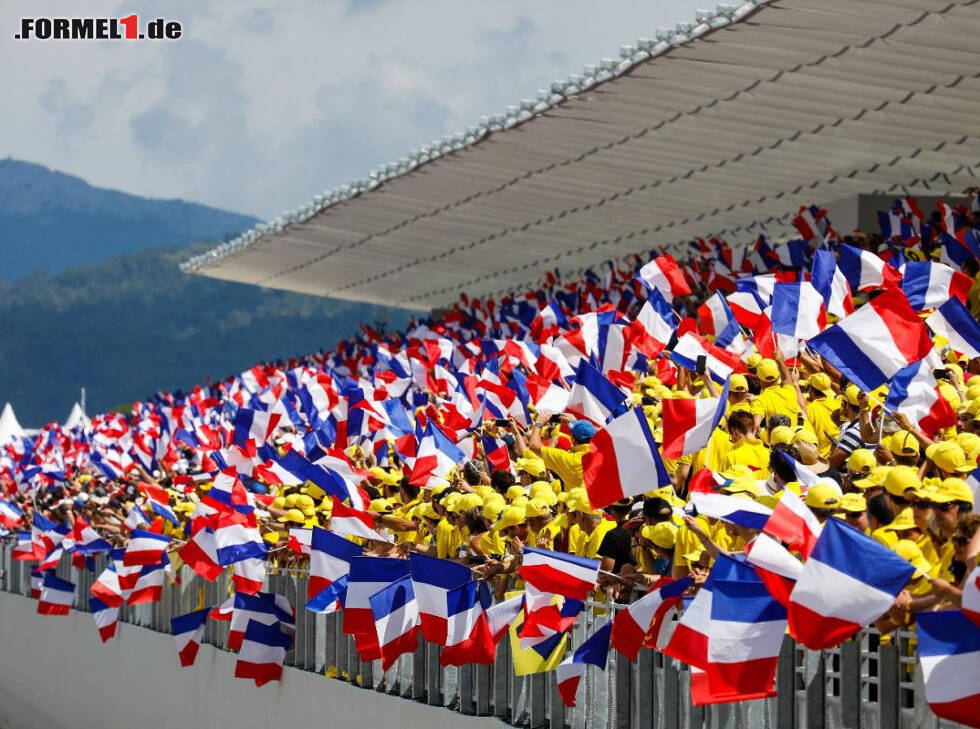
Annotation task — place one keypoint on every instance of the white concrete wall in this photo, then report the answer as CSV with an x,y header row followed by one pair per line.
x,y
56,674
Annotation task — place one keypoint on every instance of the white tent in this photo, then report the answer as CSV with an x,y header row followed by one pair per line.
x,y
77,416
9,427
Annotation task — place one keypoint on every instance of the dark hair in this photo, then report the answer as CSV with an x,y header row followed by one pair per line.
x,y
502,480
472,473
971,266
741,421
878,508
657,508
779,466
777,419
474,520
410,489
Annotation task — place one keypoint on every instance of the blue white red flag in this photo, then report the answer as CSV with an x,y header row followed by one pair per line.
x,y
396,619
954,322
949,652
593,652
188,630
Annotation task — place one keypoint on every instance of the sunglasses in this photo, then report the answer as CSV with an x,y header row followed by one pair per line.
x,y
853,515
944,507
960,541
923,505
900,501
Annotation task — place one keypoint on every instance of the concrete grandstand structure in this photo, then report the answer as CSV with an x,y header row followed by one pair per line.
x,y
723,126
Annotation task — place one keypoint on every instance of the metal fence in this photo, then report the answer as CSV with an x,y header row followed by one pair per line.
x,y
870,682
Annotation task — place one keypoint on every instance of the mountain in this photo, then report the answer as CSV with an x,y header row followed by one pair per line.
x,y
128,323
125,328
50,221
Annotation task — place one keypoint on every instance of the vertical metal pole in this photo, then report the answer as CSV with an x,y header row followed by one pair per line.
x,y
433,675
850,684
624,692
353,660
502,671
418,673
888,670
816,696
482,693
556,715
786,685
466,688
646,694
672,694
536,700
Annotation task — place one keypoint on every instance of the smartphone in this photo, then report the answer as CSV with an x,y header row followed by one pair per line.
x,y
502,423
701,364
555,419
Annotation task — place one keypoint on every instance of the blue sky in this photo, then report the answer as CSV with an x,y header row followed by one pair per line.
x,y
262,105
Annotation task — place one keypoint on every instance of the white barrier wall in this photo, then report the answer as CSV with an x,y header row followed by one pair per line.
x,y
56,674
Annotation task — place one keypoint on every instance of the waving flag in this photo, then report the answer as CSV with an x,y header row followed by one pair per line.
x,y
971,596
689,423
263,650
720,363
188,630
432,580
396,618
746,631
330,598
794,524
623,460
265,608
877,341
664,275
928,285
56,596
236,538
848,582
832,285
368,575
562,574
654,326
797,310
915,394
10,515
330,556
864,270
652,612
254,425
37,581
954,322
593,652
593,396
351,522
949,652
200,553
437,456
149,585
469,638
735,509
718,320
107,590
248,575
106,618
23,550
145,548
776,567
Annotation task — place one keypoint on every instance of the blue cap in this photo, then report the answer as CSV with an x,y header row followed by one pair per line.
x,y
582,431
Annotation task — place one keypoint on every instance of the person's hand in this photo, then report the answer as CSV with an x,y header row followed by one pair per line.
x,y
945,591
542,419
903,600
884,455
902,420
863,401
695,527
778,355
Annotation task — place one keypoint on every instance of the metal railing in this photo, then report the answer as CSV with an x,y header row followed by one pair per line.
x,y
867,683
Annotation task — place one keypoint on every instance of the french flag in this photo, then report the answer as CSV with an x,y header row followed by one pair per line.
x,y
718,320
56,596
436,457
330,599
237,538
746,308
469,638
720,363
503,614
347,521
593,652
745,634
794,524
813,224
914,393
135,518
831,283
10,515
664,275
848,582
159,501
254,425
145,548
776,567
688,424
804,475
433,579
559,573
248,575
797,310
23,550
265,608
149,585
188,630
654,326
954,322
37,580
928,285
396,619
368,576
652,612
971,596
263,650
200,553
623,460
330,556
106,618
949,652
107,589
300,541
735,509
593,396
877,341
87,540
865,271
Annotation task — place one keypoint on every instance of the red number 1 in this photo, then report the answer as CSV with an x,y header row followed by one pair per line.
x,y
130,25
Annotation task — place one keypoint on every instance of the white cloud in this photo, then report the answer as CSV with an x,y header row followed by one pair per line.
x,y
258,108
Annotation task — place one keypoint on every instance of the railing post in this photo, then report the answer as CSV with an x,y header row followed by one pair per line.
x,y
465,689
624,691
646,693
418,672
482,693
888,668
556,718
850,683
816,695
433,675
672,694
502,671
536,700
786,685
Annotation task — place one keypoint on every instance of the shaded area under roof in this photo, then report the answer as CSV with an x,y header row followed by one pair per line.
x,y
795,102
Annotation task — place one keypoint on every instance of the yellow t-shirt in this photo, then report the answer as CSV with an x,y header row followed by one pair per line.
x,y
818,417
567,464
749,452
549,530
448,540
777,399
577,539
884,536
595,538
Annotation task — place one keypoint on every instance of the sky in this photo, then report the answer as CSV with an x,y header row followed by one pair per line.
x,y
259,106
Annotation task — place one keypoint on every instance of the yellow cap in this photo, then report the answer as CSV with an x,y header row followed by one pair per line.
x,y
664,534
903,443
290,501
469,501
806,435
542,490
852,394
821,383
535,508
854,503
306,504
511,516
969,442
381,506
948,456
909,550
426,510
875,478
313,491
900,479
515,492
822,496
738,383
578,500
739,470
861,460
781,435
903,521
492,509
293,515
532,465
753,360
768,370
953,489
748,486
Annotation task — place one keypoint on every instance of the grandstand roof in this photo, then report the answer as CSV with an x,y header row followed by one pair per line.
x,y
723,126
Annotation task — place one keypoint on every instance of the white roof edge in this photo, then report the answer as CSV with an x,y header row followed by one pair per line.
x,y
593,75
